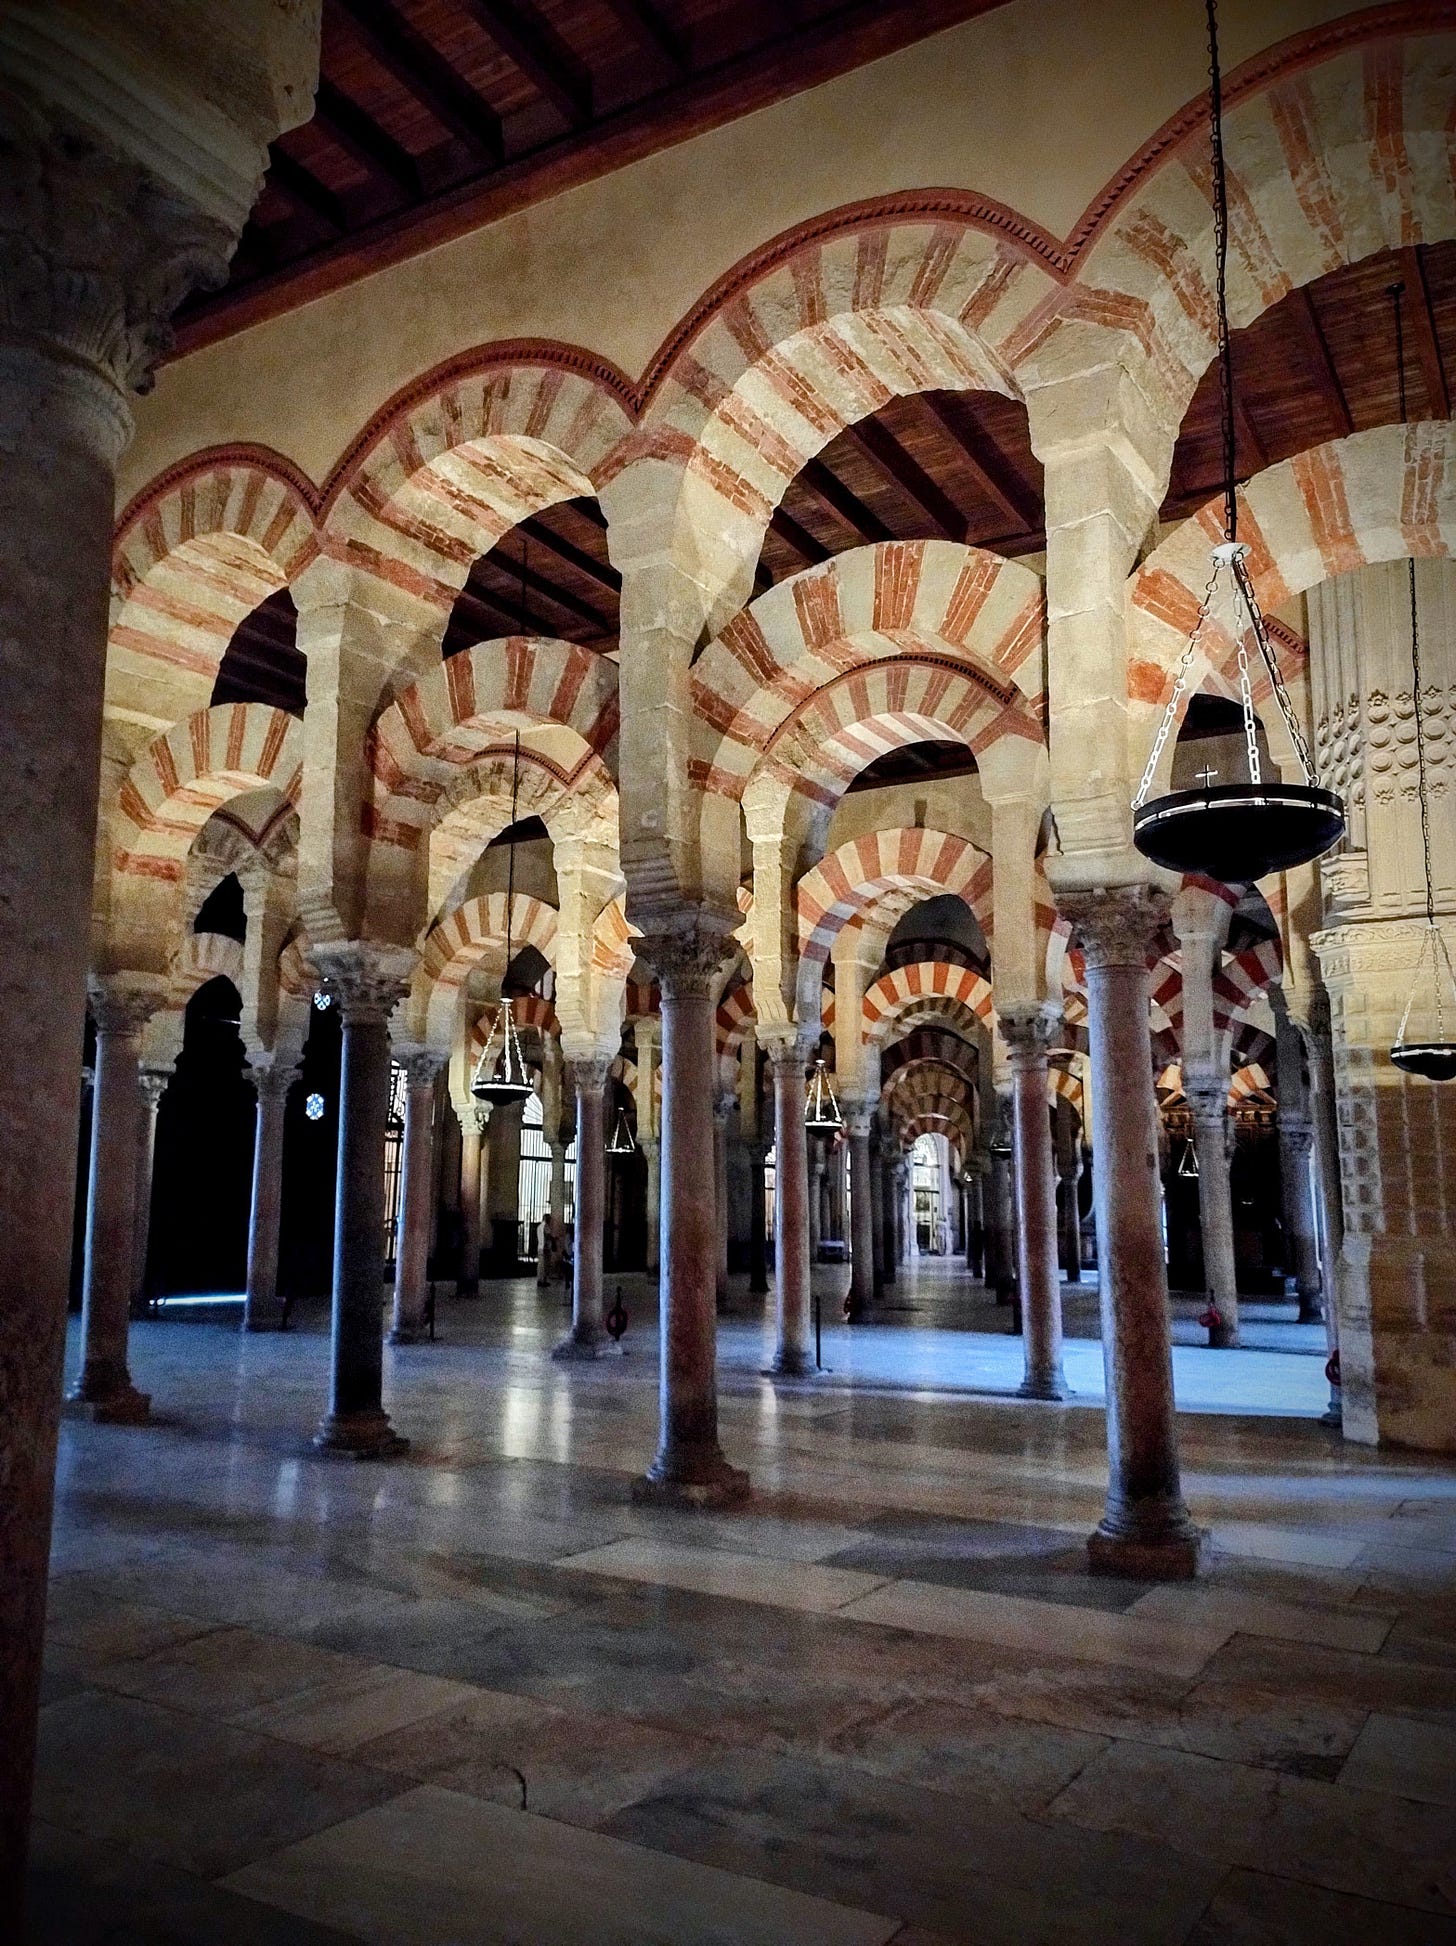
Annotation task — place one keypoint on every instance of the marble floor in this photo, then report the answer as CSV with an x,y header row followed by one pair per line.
x,y
479,1696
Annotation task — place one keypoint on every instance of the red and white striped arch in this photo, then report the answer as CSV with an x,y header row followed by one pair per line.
x,y
924,990
181,778
463,456
475,935
532,1014
850,881
193,557
560,697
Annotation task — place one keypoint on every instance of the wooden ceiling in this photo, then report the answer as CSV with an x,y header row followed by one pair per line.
x,y
959,466
435,116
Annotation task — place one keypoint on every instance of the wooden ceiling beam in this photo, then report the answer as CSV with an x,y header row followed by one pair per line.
x,y
1322,365
885,452
304,190
423,71
816,478
798,538
645,21
573,556
360,136
986,465
1423,330
530,44
549,591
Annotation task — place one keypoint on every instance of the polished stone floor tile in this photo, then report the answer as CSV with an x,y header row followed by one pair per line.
x,y
1329,1627
1354,1841
1035,1565
1405,1758
198,1795
1255,1909
350,1712
437,1866
229,1672
740,1577
967,1752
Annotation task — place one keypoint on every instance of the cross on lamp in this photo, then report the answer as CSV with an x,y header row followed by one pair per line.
x,y
1205,776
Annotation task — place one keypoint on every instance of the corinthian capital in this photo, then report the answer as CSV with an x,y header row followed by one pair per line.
x,y
95,254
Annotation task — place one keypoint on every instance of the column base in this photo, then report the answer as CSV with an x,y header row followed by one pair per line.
x,y
107,1399
408,1334
1170,1556
1310,1311
791,1364
253,1323
1334,1412
691,1479
359,1435
585,1346
1223,1337
1051,1385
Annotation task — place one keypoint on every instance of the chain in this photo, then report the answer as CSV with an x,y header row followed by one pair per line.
x,y
1276,681
1180,684
1220,277
1246,697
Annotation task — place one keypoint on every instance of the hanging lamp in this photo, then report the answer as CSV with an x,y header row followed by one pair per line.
x,y
821,1110
1237,832
1188,1164
622,1142
500,1074
1433,1055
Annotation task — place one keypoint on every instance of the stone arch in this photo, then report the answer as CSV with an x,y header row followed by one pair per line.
x,y
471,936
465,453
194,555
1374,496
922,989
182,777
850,880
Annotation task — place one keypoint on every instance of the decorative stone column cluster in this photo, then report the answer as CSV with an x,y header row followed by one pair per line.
x,y
271,1083
367,982
1028,1032
414,1225
588,1337
689,1466
1145,1529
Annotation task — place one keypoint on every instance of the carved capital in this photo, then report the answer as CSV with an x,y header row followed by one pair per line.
x,y
123,1003
95,253
368,981
1029,1029
1116,927
689,957
422,1066
273,1079
587,1073
152,1084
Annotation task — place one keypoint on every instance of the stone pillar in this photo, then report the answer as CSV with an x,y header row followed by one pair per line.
x,y
1208,1100
1001,1254
815,1197
652,1156
588,1337
757,1220
472,1147
647,1034
367,982
415,1222
976,1221
877,1206
103,1391
101,236
1069,1173
152,1084
1296,1146
503,1188
689,1466
1145,1530
1327,1173
861,1214
792,1206
722,1108
1028,1032
261,1309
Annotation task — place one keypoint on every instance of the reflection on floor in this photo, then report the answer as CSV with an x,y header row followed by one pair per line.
x,y
480,1697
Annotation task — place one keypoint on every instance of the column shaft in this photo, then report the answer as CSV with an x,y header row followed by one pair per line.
x,y
153,1086
792,1235
720,1202
472,1134
651,1155
861,1219
1296,1143
757,1221
588,1335
689,1464
416,1191
261,1310
1215,1206
1027,1036
1145,1529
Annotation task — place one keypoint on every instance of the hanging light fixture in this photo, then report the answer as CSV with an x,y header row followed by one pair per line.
x,y
622,1142
821,1111
1188,1165
1233,832
1433,1055
500,1074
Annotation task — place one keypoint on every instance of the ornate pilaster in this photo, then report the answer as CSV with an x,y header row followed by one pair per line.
x,y
1145,1529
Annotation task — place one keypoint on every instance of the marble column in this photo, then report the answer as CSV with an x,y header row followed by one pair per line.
x,y
793,1357
689,1466
1208,1101
1001,1255
103,1390
889,1210
473,1121
415,1221
367,982
861,1215
503,1189
98,244
152,1084
757,1220
1028,1032
1331,1208
976,1222
1069,1173
722,1109
587,1338
647,1034
652,1157
261,1309
877,1206
1145,1530
1296,1147
815,1197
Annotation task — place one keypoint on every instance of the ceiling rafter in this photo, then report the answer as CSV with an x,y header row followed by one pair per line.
x,y
1322,364
646,22
304,190
985,464
1423,330
571,554
420,68
898,466
846,507
346,123
530,43
798,538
